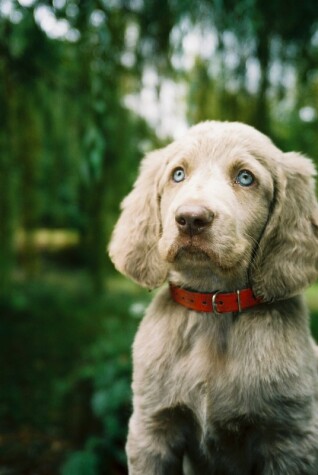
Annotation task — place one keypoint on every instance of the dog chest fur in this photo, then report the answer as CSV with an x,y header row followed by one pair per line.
x,y
223,398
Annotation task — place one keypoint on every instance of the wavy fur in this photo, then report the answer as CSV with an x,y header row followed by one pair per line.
x,y
236,394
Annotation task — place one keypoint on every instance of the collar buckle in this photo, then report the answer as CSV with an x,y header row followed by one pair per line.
x,y
214,303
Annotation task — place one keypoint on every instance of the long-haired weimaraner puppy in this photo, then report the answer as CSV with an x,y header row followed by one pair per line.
x,y
225,370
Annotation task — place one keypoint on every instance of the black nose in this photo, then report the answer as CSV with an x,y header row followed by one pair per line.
x,y
193,219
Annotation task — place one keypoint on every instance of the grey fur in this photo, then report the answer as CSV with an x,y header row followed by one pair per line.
x,y
231,394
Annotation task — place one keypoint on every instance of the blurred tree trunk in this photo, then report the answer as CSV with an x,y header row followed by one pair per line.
x,y
261,116
93,237
7,178
102,133
28,158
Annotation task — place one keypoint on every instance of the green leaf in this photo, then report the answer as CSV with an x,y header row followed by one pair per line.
x,y
80,463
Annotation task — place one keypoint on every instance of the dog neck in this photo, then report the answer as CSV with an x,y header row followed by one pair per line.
x,y
206,280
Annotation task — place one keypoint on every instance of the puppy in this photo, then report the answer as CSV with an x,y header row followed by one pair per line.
x,y
225,370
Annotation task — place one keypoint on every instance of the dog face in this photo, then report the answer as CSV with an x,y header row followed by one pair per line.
x,y
223,201
215,203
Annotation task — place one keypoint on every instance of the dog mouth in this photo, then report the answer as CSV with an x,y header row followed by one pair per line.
x,y
191,251
192,257
196,252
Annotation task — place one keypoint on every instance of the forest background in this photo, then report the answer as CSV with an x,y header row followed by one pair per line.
x,y
86,88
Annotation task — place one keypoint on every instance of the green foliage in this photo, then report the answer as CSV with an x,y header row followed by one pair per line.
x,y
312,299
82,462
67,356
314,324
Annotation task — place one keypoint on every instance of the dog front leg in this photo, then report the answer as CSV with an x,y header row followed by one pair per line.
x,y
292,455
153,448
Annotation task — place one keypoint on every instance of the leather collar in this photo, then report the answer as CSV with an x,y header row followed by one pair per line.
x,y
216,302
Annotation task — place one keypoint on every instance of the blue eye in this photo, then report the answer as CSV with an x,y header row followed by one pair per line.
x,y
245,178
178,175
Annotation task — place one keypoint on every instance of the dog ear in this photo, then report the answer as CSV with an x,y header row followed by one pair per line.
x,y
134,243
286,261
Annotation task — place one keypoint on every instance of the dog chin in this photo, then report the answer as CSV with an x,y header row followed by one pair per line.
x,y
192,252
189,254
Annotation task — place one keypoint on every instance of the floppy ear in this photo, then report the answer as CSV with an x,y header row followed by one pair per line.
x,y
134,243
286,261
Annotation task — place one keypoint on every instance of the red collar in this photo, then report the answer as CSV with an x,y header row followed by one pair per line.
x,y
216,302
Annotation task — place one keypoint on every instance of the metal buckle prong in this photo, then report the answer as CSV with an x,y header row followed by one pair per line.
x,y
239,300
214,304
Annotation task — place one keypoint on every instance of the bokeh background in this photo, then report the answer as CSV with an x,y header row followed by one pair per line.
x,y
86,88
